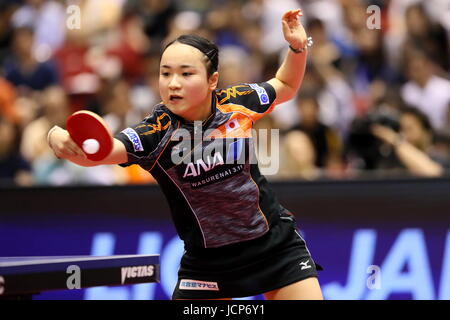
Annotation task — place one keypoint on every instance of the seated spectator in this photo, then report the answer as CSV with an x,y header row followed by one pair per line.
x,y
335,96
78,77
234,66
14,169
298,157
117,107
156,17
129,48
48,20
22,69
55,111
425,90
326,142
424,33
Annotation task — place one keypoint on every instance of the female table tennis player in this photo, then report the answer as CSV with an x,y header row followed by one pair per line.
x,y
239,241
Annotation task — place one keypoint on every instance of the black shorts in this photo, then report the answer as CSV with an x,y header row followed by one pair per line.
x,y
278,258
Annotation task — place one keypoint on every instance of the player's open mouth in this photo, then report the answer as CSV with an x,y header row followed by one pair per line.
x,y
175,97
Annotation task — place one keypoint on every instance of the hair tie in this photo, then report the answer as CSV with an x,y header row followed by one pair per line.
x,y
214,54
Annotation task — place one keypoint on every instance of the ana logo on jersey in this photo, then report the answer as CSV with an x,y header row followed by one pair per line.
x,y
195,169
213,166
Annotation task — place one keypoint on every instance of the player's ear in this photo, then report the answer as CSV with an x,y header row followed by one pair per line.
x,y
213,80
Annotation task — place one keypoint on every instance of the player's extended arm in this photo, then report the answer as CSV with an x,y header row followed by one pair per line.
x,y
289,76
64,147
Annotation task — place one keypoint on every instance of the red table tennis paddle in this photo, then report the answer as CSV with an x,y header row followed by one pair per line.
x,y
90,132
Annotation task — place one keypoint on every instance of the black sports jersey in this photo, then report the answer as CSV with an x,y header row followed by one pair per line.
x,y
208,172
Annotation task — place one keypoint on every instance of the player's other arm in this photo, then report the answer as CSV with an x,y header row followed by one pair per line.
x,y
289,76
64,147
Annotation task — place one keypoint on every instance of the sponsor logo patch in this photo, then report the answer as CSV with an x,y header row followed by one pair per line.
x,y
134,138
196,169
205,169
305,265
188,284
262,93
137,272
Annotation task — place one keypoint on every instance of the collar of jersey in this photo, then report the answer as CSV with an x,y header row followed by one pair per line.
x,y
206,122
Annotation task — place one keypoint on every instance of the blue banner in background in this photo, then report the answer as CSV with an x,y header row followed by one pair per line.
x,y
368,257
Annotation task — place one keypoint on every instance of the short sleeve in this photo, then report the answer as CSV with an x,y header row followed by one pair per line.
x,y
257,99
142,139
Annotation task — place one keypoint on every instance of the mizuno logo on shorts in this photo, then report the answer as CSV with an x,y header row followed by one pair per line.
x,y
305,265
134,138
187,284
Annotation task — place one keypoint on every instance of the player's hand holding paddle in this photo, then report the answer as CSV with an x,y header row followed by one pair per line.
x,y
63,146
87,141
90,132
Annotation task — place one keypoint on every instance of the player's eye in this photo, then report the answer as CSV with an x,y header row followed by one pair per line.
x,y
165,74
186,74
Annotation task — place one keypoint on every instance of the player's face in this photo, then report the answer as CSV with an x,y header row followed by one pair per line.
x,y
183,82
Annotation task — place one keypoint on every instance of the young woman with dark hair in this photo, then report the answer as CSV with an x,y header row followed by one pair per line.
x,y
239,241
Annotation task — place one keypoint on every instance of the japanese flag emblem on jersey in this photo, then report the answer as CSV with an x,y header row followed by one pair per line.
x,y
232,125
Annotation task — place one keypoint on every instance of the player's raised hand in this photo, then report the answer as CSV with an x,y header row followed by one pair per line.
x,y
293,31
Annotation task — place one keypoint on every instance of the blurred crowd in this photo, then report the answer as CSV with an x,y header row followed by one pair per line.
x,y
374,101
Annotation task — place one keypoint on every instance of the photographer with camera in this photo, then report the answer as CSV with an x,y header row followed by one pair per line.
x,y
413,144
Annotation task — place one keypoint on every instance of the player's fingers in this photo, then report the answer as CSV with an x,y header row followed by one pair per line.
x,y
64,153
80,153
77,150
285,26
285,17
293,14
288,15
69,152
70,149
292,17
73,148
